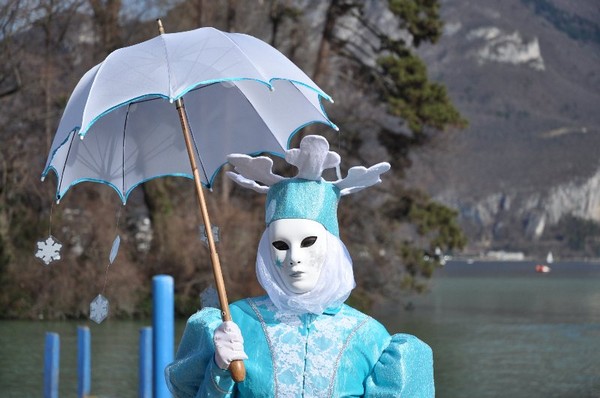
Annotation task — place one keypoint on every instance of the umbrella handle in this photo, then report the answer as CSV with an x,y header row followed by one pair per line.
x,y
236,367
237,370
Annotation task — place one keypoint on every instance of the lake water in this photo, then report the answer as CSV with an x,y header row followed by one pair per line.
x,y
503,330
496,329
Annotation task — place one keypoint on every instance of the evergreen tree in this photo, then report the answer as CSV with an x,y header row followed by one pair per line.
x,y
378,61
360,52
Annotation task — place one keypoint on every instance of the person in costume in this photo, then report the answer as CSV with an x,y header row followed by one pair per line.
x,y
300,340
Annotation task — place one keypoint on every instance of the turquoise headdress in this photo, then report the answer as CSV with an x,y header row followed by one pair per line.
x,y
307,195
299,198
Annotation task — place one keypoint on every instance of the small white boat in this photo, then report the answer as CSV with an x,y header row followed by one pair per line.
x,y
542,268
545,268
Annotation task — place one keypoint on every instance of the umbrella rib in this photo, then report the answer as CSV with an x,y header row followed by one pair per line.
x,y
321,111
91,162
265,78
164,44
199,157
260,116
101,65
73,133
123,154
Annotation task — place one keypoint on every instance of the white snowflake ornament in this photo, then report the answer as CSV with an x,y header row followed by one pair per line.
x,y
204,236
99,309
48,250
209,298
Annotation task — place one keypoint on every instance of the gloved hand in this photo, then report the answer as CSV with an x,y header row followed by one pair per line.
x,y
229,344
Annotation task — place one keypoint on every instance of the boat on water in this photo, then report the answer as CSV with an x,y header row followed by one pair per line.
x,y
545,268
542,268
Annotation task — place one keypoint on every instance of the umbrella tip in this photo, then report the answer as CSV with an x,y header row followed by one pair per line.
x,y
335,127
43,178
161,29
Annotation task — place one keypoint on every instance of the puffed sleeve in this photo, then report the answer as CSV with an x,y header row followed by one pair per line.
x,y
405,369
194,373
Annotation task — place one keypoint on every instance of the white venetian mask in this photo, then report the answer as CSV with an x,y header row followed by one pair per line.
x,y
298,249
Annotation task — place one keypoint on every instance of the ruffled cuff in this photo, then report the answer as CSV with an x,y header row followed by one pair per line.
x,y
404,369
194,372
221,383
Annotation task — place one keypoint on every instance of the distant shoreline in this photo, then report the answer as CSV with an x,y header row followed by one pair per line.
x,y
589,260
498,268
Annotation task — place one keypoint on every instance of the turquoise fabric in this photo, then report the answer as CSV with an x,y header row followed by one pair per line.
x,y
305,199
341,353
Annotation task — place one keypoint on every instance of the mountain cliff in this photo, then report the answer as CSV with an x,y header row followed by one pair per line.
x,y
525,74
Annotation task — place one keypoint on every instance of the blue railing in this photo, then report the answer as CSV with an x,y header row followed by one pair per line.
x,y
155,349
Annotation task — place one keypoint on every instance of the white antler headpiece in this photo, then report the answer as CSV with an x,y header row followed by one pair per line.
x,y
307,195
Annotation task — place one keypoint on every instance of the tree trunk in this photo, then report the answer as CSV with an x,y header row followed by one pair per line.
x,y
231,6
106,17
199,12
322,61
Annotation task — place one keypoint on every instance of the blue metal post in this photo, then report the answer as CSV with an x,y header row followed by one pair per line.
x,y
51,365
145,365
84,362
163,320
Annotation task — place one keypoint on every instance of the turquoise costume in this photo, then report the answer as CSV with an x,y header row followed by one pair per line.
x,y
308,343
340,353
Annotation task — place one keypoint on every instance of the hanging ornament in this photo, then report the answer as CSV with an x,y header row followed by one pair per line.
x,y
115,249
99,309
209,298
204,237
48,250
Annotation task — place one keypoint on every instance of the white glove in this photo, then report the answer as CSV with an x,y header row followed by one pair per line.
x,y
229,344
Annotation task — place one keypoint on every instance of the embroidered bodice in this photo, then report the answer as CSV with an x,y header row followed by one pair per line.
x,y
341,353
306,349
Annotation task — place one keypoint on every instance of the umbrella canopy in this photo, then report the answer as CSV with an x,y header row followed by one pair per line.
x,y
241,96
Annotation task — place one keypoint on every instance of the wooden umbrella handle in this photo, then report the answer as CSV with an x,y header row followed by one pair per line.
x,y
237,369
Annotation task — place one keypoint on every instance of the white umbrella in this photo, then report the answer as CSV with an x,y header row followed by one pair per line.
x,y
241,96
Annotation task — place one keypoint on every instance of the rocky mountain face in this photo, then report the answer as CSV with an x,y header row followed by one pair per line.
x,y
526,74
